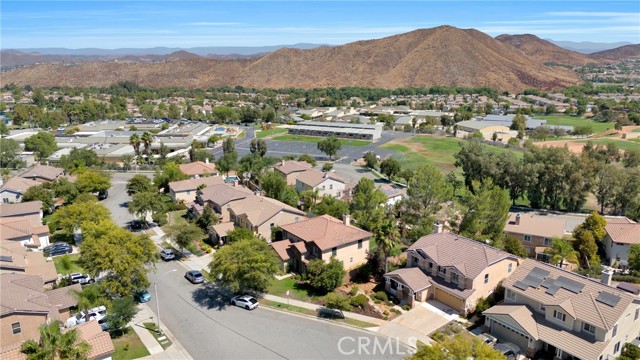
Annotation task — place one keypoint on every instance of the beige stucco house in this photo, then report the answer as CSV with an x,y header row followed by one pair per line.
x,y
186,190
43,173
535,232
327,183
290,169
619,238
199,169
261,214
22,223
13,190
221,197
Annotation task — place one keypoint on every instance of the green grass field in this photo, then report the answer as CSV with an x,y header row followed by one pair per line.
x,y
575,121
74,266
316,139
280,288
622,144
636,130
265,133
129,346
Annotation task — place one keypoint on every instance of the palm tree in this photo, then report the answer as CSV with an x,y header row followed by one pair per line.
x,y
310,198
56,345
561,250
134,140
386,237
147,139
127,160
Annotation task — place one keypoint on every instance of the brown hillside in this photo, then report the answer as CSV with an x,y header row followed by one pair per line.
x,y
438,56
627,52
544,51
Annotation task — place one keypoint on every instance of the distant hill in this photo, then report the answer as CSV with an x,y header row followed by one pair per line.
x,y
11,58
627,52
587,47
544,51
439,56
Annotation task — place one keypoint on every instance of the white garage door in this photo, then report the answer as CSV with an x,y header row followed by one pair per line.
x,y
505,334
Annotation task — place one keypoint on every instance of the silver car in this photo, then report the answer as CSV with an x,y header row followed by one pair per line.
x,y
194,276
488,339
244,301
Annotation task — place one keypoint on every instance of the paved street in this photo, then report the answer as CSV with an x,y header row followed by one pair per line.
x,y
199,317
118,197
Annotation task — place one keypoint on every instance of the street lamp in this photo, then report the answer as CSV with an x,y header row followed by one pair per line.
x,y
155,287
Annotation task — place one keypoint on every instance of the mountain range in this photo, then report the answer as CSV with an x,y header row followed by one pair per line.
x,y
443,55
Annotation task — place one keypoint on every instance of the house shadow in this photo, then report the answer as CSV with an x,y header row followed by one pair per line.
x,y
211,296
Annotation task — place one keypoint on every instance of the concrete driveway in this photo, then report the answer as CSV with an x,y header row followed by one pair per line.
x,y
417,323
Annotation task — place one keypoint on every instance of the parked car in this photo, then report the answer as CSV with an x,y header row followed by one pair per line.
x,y
82,279
98,313
194,276
142,296
137,225
57,248
508,349
244,301
103,194
167,254
488,339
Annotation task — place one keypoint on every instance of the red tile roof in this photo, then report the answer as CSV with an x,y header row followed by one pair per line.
x,y
326,232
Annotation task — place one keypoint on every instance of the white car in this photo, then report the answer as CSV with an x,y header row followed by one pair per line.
x,y
244,301
167,254
82,279
488,339
97,313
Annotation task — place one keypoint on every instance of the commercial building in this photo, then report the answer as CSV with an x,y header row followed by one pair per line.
x,y
341,130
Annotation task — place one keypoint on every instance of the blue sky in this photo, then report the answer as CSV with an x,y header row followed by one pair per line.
x,y
143,24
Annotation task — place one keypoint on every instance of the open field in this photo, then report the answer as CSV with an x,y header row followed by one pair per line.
x,y
264,133
577,145
575,121
316,139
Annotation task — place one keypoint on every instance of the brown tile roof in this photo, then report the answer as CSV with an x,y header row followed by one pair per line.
x,y
519,314
222,194
584,304
99,340
282,249
313,177
64,298
19,185
290,166
300,246
198,168
259,209
619,220
193,184
23,208
22,293
223,228
48,173
18,228
326,232
26,262
624,233
469,257
414,278
536,225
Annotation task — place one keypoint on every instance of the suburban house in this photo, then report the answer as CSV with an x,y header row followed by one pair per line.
x,y
563,314
451,269
21,223
199,169
322,237
218,232
619,238
32,210
535,232
16,259
261,214
43,173
327,183
186,190
290,169
394,193
221,197
13,190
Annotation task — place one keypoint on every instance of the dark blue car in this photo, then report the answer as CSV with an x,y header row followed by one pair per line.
x,y
58,248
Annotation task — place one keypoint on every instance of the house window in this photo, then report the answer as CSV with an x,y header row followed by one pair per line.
x,y
454,277
616,348
430,265
442,270
350,259
615,330
559,315
511,295
338,194
547,242
527,238
486,278
323,187
510,267
188,192
637,314
334,251
542,308
15,328
359,244
272,225
330,186
589,328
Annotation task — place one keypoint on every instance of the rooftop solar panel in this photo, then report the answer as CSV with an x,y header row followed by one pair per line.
x,y
568,284
552,289
608,298
538,272
521,285
6,258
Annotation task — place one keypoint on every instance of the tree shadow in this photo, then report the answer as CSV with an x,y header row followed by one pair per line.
x,y
212,296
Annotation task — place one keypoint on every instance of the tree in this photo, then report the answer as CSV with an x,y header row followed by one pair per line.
x,y
324,276
64,189
213,140
327,166
390,167
42,144
273,185
143,203
55,344
258,146
631,158
139,183
90,296
337,301
9,150
207,219
457,348
634,257
515,247
330,146
79,158
290,196
308,158
247,264
228,146
71,217
331,206
121,256
238,234
487,212
561,251
122,311
585,244
366,205
310,198
147,140
92,182
371,160
40,193
170,172
595,224
184,235
134,140
519,123
386,237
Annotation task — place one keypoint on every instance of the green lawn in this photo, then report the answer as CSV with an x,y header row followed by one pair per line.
x,y
622,144
74,266
265,133
316,139
636,130
129,346
297,292
575,121
297,309
153,329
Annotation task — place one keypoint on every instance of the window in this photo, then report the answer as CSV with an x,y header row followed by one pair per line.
x,y
559,315
510,267
330,186
338,194
15,328
442,270
615,330
486,278
454,277
350,259
527,238
616,348
359,244
547,242
188,192
272,225
589,328
542,308
334,251
430,265
323,187
637,314
511,295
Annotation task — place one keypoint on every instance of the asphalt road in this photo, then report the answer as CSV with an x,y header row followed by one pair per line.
x,y
118,198
200,318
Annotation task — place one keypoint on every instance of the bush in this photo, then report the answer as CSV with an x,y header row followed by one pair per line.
x,y
438,336
406,307
376,301
354,290
160,219
482,305
65,261
360,301
627,278
396,311
380,295
386,313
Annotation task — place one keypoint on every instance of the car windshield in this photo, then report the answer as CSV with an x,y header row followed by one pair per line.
x,y
196,274
253,301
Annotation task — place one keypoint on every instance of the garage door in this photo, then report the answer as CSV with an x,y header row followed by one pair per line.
x,y
450,300
505,334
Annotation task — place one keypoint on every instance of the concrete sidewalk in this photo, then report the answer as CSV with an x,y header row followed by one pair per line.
x,y
175,351
191,262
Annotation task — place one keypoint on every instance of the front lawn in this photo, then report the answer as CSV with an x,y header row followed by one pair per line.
x,y
67,264
296,291
317,139
128,346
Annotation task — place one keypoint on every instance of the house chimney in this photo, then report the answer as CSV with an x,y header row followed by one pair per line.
x,y
607,276
326,175
437,228
282,162
517,219
347,219
258,193
206,160
235,183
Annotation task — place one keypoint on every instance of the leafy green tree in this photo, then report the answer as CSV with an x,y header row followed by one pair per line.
x,y
123,257
90,296
390,167
308,158
184,235
9,150
561,251
329,205
224,114
371,160
337,301
245,265
366,205
323,276
54,344
143,203
228,146
40,193
79,158
595,224
207,219
290,196
631,158
42,144
273,185
310,198
487,212
64,189
634,257
327,166
519,123
92,182
386,237
330,146
138,184
170,172
134,140
515,247
71,217
258,146
630,352
457,348
122,311
238,234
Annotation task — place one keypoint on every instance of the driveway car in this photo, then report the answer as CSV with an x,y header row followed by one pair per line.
x,y
488,339
97,313
103,194
58,248
244,301
82,279
194,276
508,349
167,254
142,296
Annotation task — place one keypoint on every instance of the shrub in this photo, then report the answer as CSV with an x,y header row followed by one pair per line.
x,y
386,313
394,310
160,219
377,301
438,336
389,303
360,301
354,290
65,261
482,305
406,307
627,278
381,295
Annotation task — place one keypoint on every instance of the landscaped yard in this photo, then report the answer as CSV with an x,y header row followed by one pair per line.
x,y
264,133
73,265
575,121
280,287
129,346
316,139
